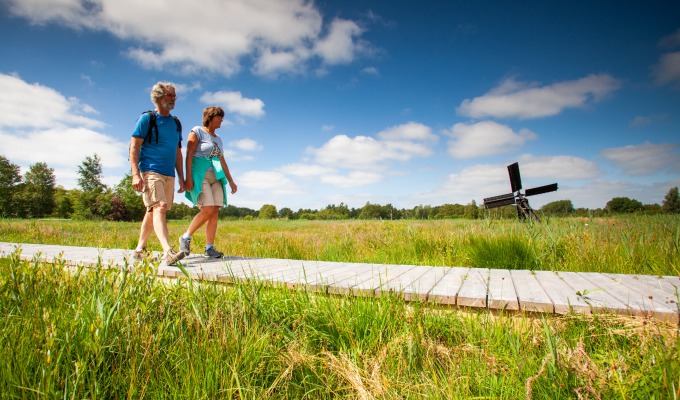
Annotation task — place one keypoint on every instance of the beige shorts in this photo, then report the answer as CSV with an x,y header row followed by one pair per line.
x,y
158,189
211,191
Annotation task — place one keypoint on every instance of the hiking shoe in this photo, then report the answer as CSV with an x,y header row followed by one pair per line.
x,y
171,257
184,245
212,253
139,254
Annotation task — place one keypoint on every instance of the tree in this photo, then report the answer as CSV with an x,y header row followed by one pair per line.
x,y
63,203
90,172
10,177
558,208
472,210
671,202
286,213
94,200
267,211
38,190
131,200
623,205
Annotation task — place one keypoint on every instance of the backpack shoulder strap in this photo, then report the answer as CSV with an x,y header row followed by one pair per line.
x,y
152,126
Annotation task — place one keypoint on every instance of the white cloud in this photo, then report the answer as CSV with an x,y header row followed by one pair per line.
x,y
40,124
246,145
398,143
353,179
306,170
485,139
26,106
557,167
281,36
234,102
644,159
512,99
667,71
339,46
670,41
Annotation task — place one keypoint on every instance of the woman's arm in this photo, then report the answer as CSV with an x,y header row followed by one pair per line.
x,y
225,167
192,143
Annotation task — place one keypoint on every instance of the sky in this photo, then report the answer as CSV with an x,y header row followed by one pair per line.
x,y
385,102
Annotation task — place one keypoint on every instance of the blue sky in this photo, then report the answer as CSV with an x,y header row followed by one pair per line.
x,y
398,102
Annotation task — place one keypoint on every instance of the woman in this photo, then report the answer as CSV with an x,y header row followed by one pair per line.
x,y
207,175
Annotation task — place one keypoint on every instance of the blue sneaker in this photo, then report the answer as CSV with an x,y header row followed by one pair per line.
x,y
185,245
212,253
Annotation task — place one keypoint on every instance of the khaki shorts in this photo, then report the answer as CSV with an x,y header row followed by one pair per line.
x,y
158,189
211,191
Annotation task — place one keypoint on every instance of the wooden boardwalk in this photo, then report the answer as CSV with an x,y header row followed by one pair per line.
x,y
514,290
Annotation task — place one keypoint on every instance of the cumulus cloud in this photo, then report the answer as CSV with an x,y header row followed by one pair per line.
x,y
283,36
523,100
306,170
670,41
557,167
353,179
667,71
485,139
31,105
246,145
40,124
234,102
398,143
645,158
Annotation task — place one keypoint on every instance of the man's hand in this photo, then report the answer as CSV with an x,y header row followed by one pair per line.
x,y
138,182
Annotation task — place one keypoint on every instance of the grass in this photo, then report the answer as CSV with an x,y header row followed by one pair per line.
x,y
102,333
630,245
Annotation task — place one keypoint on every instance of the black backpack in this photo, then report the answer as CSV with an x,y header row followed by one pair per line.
x,y
154,127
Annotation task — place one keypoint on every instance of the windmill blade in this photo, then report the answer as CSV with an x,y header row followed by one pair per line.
x,y
541,189
499,201
515,178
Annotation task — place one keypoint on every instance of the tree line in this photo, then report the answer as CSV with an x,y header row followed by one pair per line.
x,y
36,195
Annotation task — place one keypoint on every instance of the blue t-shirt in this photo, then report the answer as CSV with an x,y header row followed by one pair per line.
x,y
158,157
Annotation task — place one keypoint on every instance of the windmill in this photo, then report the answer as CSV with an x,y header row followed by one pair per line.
x,y
524,210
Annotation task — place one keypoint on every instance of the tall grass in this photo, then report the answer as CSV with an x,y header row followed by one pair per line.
x,y
632,244
102,333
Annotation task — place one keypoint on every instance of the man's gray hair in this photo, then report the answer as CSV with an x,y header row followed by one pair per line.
x,y
158,90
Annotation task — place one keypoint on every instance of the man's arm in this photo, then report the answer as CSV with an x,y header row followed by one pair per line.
x,y
135,147
179,166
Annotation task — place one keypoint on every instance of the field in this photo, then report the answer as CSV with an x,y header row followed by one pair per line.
x,y
103,333
631,245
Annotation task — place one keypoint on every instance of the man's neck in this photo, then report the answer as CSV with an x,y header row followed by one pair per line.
x,y
163,111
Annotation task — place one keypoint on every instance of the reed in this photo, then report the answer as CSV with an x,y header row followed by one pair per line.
x,y
626,244
103,333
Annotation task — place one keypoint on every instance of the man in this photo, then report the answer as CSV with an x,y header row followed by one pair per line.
x,y
154,161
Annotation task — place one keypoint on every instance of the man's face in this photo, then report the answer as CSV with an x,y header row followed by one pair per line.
x,y
168,100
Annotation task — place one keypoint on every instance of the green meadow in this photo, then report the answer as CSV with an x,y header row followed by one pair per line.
x,y
100,333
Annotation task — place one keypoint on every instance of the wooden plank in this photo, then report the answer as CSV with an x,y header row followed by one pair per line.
x,y
341,272
594,294
446,290
562,295
300,276
649,299
501,293
530,293
366,284
668,284
389,278
475,289
419,289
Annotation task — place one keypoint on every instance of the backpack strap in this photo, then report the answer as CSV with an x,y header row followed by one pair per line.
x,y
152,126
